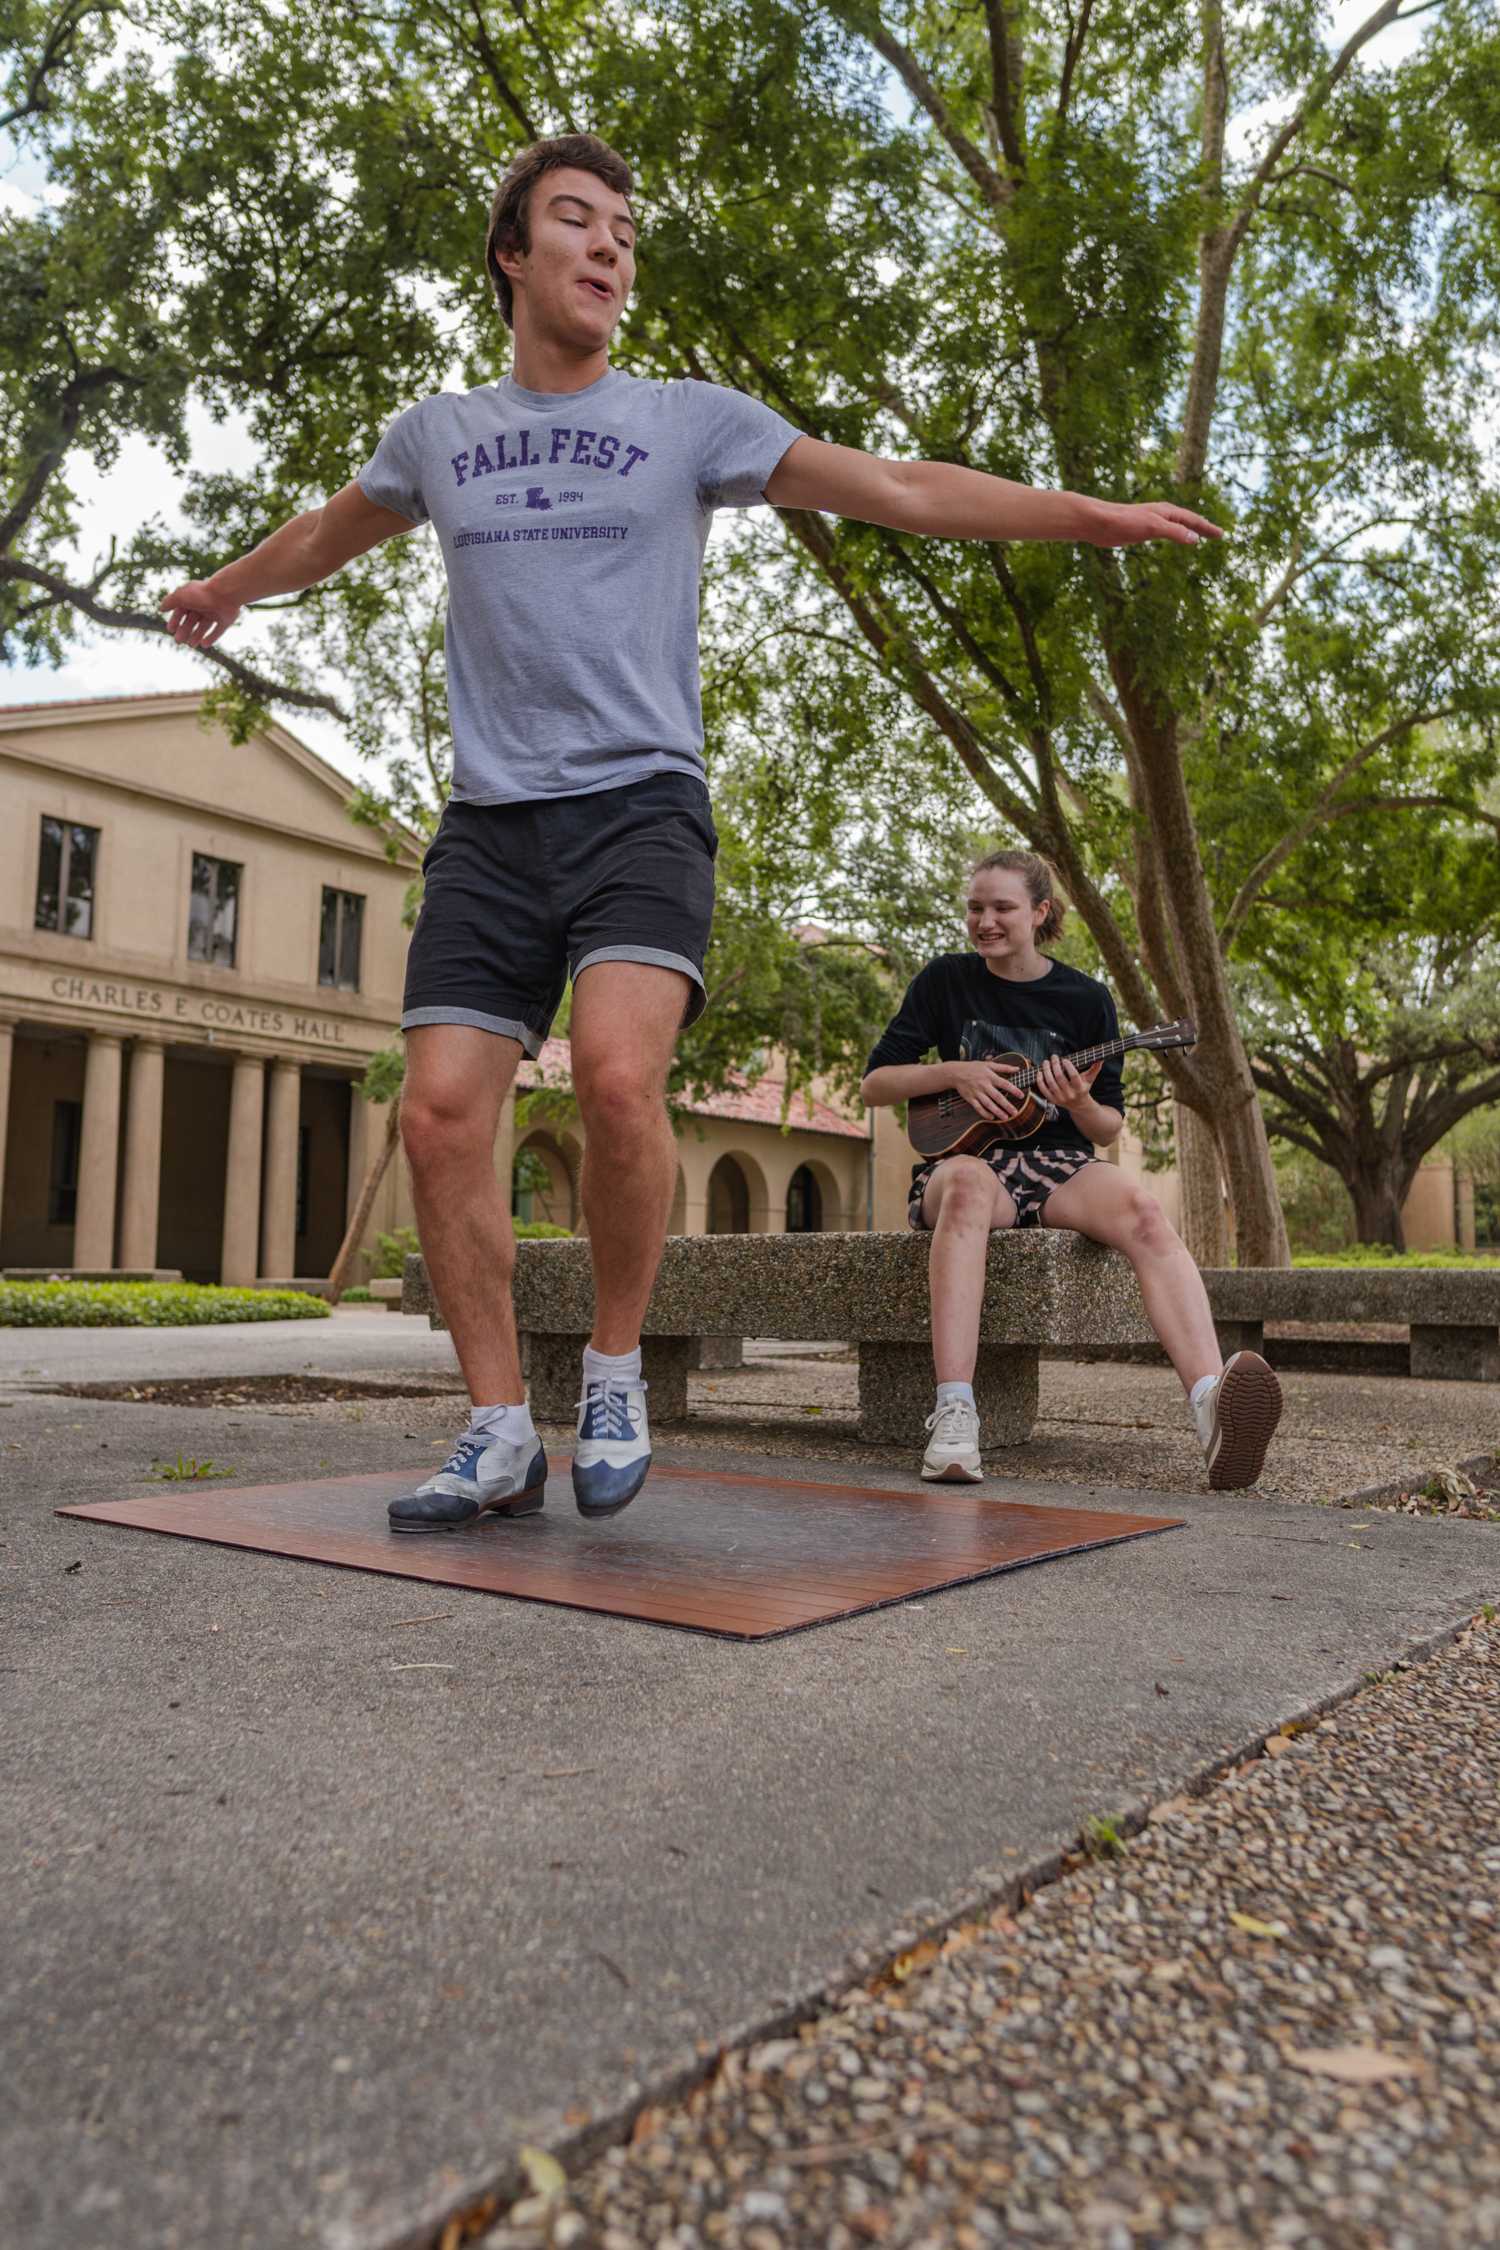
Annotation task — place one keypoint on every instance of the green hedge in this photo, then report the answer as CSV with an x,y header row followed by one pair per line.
x,y
146,1304
1376,1254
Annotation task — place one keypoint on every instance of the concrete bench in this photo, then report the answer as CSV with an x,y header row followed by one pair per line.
x,y
871,1289
1452,1312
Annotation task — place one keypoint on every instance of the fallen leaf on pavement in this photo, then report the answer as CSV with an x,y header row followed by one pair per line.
x,y
1356,2066
544,2175
1253,1927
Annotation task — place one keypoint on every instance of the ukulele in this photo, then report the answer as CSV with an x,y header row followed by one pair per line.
x,y
945,1125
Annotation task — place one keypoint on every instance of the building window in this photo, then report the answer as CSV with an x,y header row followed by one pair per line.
x,y
214,910
62,1180
804,1203
65,878
338,939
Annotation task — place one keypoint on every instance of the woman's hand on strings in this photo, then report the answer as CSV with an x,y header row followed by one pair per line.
x,y
1063,1085
986,1087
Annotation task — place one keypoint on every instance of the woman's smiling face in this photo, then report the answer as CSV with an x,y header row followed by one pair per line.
x,y
1001,918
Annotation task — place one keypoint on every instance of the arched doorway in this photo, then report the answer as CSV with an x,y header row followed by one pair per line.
x,y
804,1203
728,1198
542,1183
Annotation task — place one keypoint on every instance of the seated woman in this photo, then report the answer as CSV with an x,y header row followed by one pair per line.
x,y
1006,996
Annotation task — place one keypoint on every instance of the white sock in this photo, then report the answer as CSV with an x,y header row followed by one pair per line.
x,y
1201,1388
619,1367
946,1391
511,1423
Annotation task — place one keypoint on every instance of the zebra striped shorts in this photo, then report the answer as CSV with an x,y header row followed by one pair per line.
x,y
1028,1177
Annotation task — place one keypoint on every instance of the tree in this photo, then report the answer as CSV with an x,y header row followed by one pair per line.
x,y
1399,1055
1040,241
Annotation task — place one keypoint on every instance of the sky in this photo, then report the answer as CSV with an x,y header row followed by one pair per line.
x,y
104,663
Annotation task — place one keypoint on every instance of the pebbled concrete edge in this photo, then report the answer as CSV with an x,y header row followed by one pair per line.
x,y
467,2214
1394,1487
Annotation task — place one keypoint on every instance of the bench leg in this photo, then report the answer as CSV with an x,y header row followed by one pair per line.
x,y
1240,1336
718,1352
896,1390
1455,1355
555,1368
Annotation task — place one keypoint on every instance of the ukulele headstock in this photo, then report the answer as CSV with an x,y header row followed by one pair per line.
x,y
1182,1033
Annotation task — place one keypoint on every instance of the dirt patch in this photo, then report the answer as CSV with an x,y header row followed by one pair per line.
x,y
261,1390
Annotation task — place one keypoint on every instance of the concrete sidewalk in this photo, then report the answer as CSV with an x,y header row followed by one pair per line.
x,y
315,1913
347,1342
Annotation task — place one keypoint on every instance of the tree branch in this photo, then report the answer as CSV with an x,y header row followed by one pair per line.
x,y
1324,809
1220,242
69,23
996,190
143,621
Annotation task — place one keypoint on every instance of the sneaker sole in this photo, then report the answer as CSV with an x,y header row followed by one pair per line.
x,y
527,1503
1247,1411
954,1473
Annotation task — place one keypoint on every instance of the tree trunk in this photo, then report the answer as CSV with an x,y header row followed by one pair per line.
x,y
1377,1197
1205,1217
360,1217
1259,1226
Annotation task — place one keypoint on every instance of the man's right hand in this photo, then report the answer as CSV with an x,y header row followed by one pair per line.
x,y
986,1087
196,616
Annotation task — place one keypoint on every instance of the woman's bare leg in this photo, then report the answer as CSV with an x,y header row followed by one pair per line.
x,y
1102,1203
963,1203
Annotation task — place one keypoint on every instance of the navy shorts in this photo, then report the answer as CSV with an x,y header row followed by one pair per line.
x,y
518,898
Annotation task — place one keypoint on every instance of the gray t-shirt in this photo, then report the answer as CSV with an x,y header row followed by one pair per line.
x,y
572,526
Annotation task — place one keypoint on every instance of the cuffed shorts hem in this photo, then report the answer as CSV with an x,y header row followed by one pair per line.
x,y
504,1027
654,958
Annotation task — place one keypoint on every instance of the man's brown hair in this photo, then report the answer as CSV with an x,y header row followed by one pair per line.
x,y
509,227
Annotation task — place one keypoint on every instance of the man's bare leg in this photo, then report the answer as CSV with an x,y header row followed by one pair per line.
x,y
626,1016
456,1080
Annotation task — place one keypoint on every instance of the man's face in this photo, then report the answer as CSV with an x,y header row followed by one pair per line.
x,y
573,283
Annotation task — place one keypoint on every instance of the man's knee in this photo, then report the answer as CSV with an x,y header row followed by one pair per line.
x,y
619,1097
438,1124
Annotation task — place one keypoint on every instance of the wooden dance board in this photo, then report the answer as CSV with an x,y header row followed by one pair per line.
x,y
745,1557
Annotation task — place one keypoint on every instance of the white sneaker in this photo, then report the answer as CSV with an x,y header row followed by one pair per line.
x,y
952,1455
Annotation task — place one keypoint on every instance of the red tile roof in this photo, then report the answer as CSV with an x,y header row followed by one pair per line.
x,y
745,1103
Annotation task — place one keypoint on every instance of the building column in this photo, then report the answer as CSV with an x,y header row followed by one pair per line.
x,y
278,1257
242,1173
99,1154
140,1194
7,1046
359,1148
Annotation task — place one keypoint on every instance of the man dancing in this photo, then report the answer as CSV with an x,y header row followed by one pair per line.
x,y
572,502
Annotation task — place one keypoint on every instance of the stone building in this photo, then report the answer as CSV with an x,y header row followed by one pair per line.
x,y
199,954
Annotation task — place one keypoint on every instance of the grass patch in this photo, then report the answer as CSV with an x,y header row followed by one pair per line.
x,y
189,1470
146,1304
1377,1255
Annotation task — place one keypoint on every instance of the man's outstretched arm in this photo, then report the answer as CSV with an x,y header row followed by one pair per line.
x,y
944,502
311,547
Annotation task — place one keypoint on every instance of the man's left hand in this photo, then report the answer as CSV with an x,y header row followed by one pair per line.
x,y
1063,1085
1114,524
